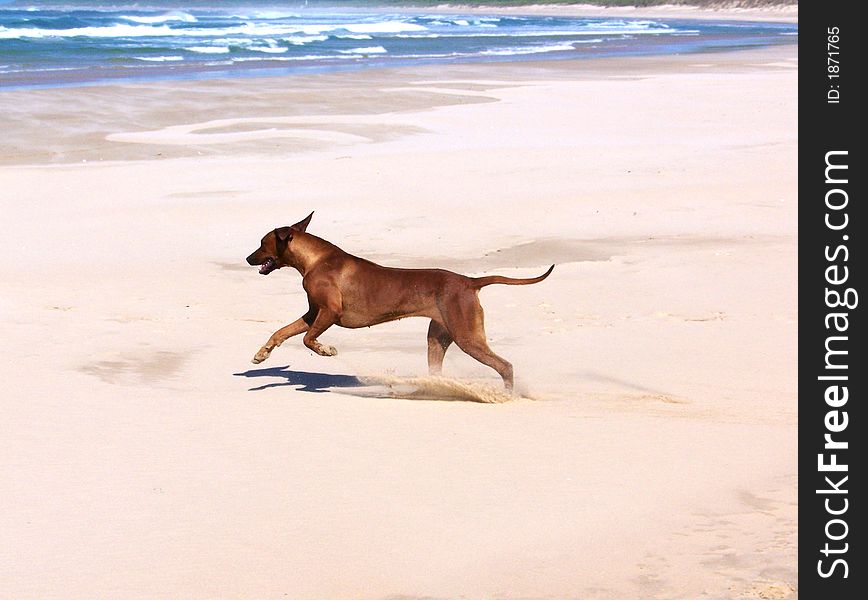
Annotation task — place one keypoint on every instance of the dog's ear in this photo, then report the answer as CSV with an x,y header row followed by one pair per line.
x,y
284,234
302,225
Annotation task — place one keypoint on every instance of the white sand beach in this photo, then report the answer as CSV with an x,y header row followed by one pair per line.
x,y
651,453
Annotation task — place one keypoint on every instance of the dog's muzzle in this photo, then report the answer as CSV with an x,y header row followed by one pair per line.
x,y
268,266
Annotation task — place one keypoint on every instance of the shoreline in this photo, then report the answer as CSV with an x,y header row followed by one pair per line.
x,y
89,144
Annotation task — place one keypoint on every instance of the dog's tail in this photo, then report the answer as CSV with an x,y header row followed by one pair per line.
x,y
479,282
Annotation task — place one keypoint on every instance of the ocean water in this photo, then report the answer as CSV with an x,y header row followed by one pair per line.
x,y
46,44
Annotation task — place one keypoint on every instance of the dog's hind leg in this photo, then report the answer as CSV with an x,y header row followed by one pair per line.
x,y
479,350
281,335
466,325
438,341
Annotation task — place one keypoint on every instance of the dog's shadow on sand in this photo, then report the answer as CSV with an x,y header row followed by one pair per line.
x,y
383,386
308,382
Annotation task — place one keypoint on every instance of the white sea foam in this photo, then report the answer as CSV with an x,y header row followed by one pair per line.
x,y
370,50
236,41
528,50
158,27
172,16
621,24
532,34
209,49
159,58
298,40
381,27
354,36
251,29
107,32
476,20
321,28
269,49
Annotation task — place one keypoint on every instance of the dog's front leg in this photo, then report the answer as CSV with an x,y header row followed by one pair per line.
x,y
281,335
325,318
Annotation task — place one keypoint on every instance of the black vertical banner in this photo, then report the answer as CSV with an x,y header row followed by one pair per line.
x,y
832,265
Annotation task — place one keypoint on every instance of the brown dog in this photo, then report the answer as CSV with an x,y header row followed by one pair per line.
x,y
345,290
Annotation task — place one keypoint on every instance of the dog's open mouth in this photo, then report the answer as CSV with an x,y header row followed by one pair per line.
x,y
268,266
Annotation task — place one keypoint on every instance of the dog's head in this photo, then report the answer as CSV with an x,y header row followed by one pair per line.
x,y
275,251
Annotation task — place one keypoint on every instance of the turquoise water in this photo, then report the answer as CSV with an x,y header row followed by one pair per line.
x,y
92,43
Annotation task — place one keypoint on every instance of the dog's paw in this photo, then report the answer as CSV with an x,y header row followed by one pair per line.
x,y
260,356
327,350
